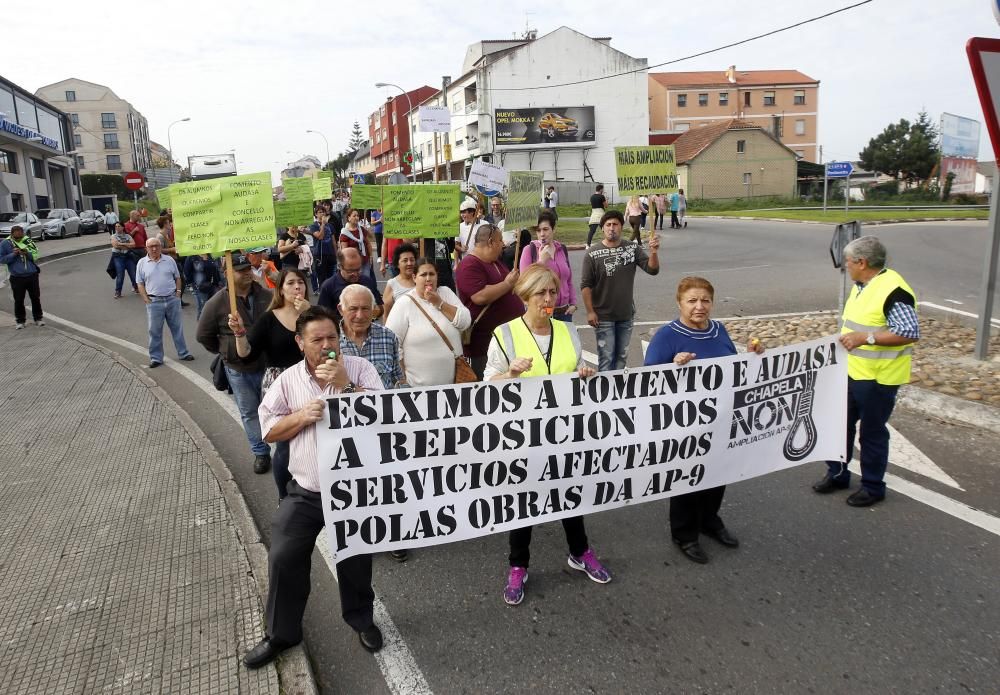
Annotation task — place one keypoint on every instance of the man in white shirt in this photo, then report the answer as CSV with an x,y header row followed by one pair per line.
x,y
289,411
110,218
464,241
160,285
552,198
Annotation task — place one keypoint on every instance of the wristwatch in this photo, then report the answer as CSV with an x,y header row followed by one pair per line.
x,y
871,338
350,388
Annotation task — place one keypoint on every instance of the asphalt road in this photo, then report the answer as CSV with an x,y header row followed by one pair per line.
x,y
820,597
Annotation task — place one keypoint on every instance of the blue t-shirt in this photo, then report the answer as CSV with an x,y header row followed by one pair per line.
x,y
377,222
675,337
675,203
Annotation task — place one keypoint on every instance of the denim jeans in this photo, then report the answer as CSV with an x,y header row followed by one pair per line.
x,y
871,403
200,297
167,309
124,262
612,344
391,270
246,391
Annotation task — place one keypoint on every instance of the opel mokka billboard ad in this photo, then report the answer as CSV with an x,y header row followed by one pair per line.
x,y
554,125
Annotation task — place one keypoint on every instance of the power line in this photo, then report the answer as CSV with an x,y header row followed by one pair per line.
x,y
688,57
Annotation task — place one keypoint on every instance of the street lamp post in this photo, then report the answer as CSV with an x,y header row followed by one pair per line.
x,y
170,148
327,142
413,170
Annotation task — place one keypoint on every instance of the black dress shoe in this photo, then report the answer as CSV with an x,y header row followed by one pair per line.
x,y
188,358
692,550
262,463
827,485
154,365
265,652
724,537
399,555
371,639
863,498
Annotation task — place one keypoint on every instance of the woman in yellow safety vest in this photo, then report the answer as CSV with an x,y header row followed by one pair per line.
x,y
537,345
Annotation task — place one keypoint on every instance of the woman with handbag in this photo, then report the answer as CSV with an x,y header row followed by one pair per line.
x,y
535,344
429,322
273,336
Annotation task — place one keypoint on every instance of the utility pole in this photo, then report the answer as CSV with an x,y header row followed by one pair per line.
x,y
445,83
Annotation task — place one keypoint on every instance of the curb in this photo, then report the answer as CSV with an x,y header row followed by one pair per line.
x,y
295,674
874,223
940,405
70,252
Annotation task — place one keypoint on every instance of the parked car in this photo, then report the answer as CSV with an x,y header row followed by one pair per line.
x,y
92,222
59,222
32,226
553,125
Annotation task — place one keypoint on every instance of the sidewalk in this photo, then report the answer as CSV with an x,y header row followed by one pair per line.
x,y
120,560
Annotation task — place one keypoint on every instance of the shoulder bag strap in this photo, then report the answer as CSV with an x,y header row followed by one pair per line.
x,y
433,323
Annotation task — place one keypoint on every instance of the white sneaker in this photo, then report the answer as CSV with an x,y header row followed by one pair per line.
x,y
39,323
18,326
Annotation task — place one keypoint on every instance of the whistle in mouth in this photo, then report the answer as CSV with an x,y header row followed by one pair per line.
x,y
332,354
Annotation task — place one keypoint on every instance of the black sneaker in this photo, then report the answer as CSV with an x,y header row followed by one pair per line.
x,y
262,463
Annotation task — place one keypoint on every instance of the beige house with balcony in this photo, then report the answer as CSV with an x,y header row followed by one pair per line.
x,y
783,102
109,134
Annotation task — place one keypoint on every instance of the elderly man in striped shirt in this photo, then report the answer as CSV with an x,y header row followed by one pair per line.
x,y
289,412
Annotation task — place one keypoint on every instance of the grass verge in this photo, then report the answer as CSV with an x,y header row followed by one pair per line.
x,y
838,216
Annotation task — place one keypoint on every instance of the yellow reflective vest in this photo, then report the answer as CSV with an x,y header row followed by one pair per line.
x,y
517,340
888,365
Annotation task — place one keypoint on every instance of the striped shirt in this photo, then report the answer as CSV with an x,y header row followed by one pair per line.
x,y
291,391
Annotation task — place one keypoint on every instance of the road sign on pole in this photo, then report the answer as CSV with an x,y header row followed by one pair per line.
x,y
984,57
839,170
359,178
134,180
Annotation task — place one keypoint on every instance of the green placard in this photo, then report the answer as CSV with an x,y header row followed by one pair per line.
x,y
420,211
649,169
293,212
298,189
226,214
163,197
524,196
323,185
366,197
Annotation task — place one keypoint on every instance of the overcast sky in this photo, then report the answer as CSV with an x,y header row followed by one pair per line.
x,y
254,75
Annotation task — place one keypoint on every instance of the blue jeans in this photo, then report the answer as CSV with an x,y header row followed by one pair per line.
x,y
167,309
200,298
612,344
124,262
391,270
246,391
872,404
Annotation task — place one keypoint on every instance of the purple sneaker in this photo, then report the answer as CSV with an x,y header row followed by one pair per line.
x,y
589,563
513,593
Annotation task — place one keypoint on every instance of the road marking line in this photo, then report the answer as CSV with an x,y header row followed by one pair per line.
x,y
905,455
723,270
754,317
995,322
396,661
954,301
72,254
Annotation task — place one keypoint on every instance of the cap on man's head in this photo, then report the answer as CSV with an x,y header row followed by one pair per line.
x,y
240,261
259,249
467,204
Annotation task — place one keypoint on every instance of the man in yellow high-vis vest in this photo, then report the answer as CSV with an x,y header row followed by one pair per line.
x,y
878,329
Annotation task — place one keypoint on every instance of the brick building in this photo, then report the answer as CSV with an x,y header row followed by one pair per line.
x,y
388,135
783,102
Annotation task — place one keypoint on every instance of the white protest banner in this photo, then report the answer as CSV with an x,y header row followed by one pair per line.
x,y
489,178
418,467
434,119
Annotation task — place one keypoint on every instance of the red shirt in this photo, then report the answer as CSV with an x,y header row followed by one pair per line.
x,y
138,232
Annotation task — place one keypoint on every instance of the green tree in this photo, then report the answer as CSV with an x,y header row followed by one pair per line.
x,y
104,184
357,138
904,150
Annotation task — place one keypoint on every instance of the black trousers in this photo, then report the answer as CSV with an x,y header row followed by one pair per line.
x,y
658,221
520,541
674,222
695,512
294,528
26,284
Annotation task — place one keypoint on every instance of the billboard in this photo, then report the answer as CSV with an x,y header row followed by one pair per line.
x,y
553,125
959,136
964,171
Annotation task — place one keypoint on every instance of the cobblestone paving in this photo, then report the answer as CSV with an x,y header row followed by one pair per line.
x,y
120,566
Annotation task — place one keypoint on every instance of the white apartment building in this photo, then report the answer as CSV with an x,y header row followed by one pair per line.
x,y
36,165
109,134
558,103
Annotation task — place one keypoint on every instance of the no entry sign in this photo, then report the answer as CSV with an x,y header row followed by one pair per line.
x,y
134,180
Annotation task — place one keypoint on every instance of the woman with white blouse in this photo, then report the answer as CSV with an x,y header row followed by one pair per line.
x,y
427,361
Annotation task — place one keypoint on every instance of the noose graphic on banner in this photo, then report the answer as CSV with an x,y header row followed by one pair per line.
x,y
803,419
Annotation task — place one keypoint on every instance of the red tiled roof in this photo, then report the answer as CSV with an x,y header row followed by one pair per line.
x,y
690,144
744,78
